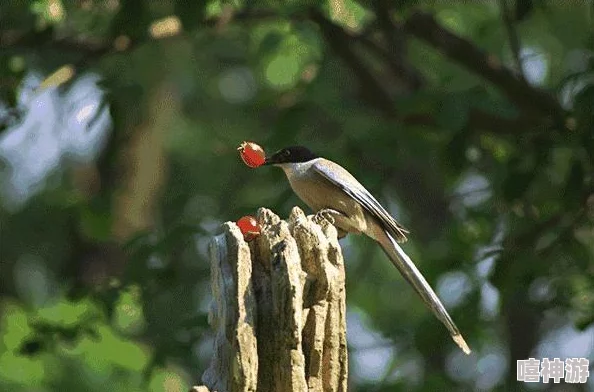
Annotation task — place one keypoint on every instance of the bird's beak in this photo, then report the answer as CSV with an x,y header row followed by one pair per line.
x,y
271,160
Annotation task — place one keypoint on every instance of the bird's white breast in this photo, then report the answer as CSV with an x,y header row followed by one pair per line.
x,y
293,170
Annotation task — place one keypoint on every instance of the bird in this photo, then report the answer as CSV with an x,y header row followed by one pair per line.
x,y
336,195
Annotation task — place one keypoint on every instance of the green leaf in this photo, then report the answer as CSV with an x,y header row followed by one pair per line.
x,y
584,109
95,223
516,184
132,19
191,13
580,254
455,154
453,112
307,35
573,194
523,9
271,43
519,177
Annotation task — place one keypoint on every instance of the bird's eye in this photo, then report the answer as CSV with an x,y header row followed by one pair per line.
x,y
287,153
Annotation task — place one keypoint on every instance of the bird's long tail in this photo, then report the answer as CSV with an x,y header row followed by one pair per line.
x,y
410,272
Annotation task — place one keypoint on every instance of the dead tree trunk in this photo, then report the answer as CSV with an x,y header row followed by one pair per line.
x,y
278,308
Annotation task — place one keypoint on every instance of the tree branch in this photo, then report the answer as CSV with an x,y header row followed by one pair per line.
x,y
514,41
396,55
340,42
478,119
92,48
406,74
533,101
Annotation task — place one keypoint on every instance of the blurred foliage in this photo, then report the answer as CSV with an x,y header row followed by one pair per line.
x,y
105,225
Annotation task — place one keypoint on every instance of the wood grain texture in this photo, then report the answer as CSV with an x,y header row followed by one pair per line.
x,y
278,308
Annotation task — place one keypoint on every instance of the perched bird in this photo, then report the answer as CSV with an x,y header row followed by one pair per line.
x,y
333,193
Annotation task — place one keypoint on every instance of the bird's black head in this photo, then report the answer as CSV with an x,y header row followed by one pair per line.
x,y
293,154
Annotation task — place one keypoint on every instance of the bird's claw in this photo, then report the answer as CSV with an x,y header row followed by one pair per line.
x,y
324,215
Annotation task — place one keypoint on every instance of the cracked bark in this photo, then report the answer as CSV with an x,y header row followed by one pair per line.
x,y
278,308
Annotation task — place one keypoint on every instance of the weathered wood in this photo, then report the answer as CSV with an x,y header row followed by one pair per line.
x,y
278,308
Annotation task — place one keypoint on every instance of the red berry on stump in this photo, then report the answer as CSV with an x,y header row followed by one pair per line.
x,y
249,227
252,154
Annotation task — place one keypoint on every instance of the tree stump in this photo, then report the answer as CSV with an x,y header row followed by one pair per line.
x,y
278,308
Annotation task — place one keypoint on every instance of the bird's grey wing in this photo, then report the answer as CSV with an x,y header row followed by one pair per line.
x,y
338,176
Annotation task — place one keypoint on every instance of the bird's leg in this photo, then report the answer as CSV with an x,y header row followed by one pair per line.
x,y
325,214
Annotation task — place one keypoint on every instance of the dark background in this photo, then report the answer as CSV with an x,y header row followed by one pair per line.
x,y
119,121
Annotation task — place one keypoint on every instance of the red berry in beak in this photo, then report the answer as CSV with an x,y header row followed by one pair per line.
x,y
249,227
252,154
